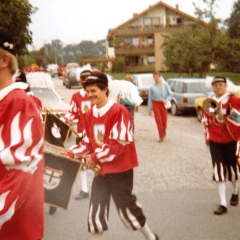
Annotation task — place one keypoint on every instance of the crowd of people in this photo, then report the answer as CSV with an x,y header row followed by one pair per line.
x,y
105,138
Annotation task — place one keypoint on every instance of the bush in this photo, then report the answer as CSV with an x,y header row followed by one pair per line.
x,y
118,65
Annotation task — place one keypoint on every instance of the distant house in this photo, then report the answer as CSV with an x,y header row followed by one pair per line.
x,y
139,39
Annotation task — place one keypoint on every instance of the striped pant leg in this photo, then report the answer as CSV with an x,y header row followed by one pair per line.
x,y
99,205
129,209
230,161
224,161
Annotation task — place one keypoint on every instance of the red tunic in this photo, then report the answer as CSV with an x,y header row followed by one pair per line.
x,y
109,138
79,105
219,131
21,167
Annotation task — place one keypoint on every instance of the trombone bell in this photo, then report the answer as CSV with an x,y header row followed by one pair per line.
x,y
210,106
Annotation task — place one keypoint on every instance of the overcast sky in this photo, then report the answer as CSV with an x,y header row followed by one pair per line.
x,y
73,21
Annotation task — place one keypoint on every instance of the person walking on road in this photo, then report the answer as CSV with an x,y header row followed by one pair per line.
x,y
21,153
79,105
219,134
108,142
159,94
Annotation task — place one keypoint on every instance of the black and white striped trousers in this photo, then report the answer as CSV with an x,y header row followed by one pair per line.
x,y
224,161
119,186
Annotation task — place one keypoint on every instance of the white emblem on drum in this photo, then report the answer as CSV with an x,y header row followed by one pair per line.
x,y
52,178
55,130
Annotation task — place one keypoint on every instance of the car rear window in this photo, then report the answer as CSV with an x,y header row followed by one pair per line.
x,y
197,87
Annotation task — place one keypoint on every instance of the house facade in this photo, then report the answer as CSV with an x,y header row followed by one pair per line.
x,y
138,41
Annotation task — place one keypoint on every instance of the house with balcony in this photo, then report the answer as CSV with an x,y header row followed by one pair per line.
x,y
139,39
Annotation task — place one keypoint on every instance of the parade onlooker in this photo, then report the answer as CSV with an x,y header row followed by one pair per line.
x,y
108,141
221,142
21,153
159,94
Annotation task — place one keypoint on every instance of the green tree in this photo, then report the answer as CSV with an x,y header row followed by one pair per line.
x,y
231,57
15,15
233,22
194,49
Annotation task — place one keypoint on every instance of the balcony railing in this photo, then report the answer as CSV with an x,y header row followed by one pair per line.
x,y
133,50
143,30
139,68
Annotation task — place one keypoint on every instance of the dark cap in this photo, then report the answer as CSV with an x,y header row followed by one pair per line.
x,y
85,73
97,78
6,40
219,79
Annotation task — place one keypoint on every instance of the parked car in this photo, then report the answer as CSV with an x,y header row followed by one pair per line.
x,y
52,69
199,100
70,78
143,82
42,86
185,91
69,75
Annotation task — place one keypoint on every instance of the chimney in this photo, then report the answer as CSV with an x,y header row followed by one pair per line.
x,y
135,15
177,7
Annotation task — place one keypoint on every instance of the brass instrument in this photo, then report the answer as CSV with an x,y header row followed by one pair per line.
x,y
212,108
96,169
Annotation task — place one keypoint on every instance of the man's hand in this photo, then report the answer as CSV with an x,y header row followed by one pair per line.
x,y
150,112
64,153
89,163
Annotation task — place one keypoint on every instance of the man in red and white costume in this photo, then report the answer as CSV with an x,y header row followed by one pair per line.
x,y
219,134
108,141
21,154
79,105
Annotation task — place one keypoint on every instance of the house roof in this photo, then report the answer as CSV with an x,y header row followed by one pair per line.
x,y
151,7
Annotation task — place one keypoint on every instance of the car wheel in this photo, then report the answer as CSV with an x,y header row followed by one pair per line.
x,y
199,114
174,110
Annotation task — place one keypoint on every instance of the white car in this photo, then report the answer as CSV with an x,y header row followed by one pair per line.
x,y
143,81
41,85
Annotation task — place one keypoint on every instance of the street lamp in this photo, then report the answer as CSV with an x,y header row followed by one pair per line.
x,y
44,44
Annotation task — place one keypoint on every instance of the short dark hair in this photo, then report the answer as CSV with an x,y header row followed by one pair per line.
x,y
101,86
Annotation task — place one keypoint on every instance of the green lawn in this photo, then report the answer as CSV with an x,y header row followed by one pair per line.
x,y
235,77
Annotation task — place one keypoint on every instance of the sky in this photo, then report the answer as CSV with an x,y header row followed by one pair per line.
x,y
73,21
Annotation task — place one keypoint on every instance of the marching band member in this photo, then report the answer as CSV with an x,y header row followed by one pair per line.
x,y
108,141
220,138
79,105
21,153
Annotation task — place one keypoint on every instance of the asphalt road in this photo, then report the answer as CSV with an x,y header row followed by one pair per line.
x,y
173,183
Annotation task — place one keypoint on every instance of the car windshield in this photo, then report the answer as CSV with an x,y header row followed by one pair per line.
x,y
44,93
198,87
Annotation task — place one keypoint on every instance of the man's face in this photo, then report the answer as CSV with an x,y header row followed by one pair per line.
x,y
219,88
156,78
96,95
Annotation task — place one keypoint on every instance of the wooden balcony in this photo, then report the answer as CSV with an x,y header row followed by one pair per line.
x,y
139,68
138,30
134,50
